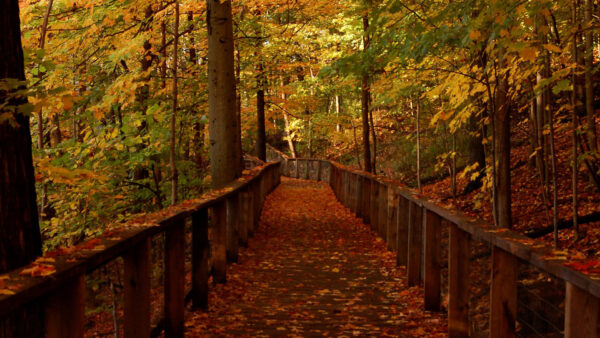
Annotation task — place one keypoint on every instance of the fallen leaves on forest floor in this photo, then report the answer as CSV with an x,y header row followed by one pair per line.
x,y
529,210
313,268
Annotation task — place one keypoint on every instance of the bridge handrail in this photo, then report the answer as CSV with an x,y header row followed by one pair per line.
x,y
62,290
392,208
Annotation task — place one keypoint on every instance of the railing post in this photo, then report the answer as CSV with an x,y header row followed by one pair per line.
x,y
345,188
581,313
459,283
382,211
402,232
175,279
251,219
65,310
307,175
415,244
366,199
200,252
359,195
219,242
297,169
137,290
392,219
257,205
355,192
503,300
319,168
432,288
373,212
243,219
233,212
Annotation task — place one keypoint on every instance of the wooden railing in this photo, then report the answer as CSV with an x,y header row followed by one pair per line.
x,y
235,211
412,226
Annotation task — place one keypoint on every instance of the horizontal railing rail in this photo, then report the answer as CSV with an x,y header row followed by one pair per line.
x,y
57,280
412,225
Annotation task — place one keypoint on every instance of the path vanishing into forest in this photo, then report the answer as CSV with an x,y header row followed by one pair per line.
x,y
314,268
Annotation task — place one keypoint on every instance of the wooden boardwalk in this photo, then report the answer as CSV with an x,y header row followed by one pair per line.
x,y
313,268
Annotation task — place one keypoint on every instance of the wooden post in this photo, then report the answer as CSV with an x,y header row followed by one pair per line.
x,y
503,294
402,233
415,244
358,183
432,284
65,310
297,169
459,283
307,176
382,211
366,200
347,190
581,313
319,168
392,219
200,252
256,203
219,242
252,225
175,279
355,195
243,218
374,206
233,212
137,290
342,187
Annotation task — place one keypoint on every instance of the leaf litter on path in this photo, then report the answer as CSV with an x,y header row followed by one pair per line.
x,y
314,269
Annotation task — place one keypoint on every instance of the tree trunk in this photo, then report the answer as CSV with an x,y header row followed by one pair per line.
x,y
286,120
592,138
198,136
40,115
453,168
574,137
365,98
356,144
20,239
554,186
374,139
172,150
225,143
502,150
338,110
476,152
261,137
417,116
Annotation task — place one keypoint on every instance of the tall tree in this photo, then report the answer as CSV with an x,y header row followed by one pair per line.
x,y
172,150
502,194
225,143
20,239
365,100
261,137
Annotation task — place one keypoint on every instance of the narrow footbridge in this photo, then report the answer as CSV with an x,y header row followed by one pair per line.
x,y
306,247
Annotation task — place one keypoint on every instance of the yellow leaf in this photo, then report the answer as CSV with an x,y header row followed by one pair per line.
x,y
552,48
528,53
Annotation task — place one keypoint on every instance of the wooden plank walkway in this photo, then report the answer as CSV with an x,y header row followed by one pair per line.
x,y
314,269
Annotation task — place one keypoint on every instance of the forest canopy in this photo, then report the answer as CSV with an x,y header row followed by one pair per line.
x,y
420,91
